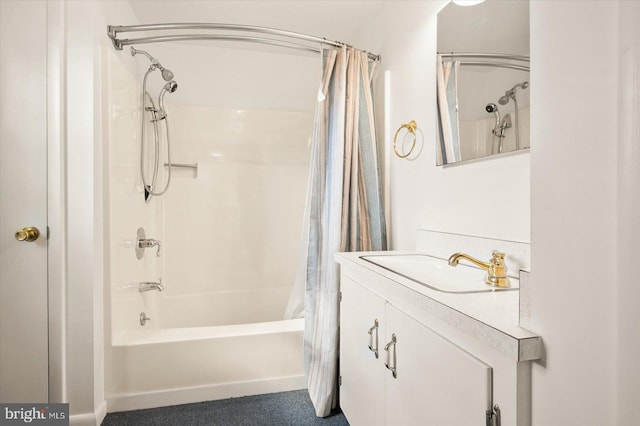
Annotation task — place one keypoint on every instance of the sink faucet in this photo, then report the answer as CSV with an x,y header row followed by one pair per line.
x,y
149,285
496,268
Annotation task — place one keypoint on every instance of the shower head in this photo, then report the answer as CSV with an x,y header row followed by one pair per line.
x,y
170,87
511,93
492,108
167,75
503,100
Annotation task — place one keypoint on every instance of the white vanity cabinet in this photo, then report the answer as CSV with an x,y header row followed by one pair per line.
x,y
460,355
418,378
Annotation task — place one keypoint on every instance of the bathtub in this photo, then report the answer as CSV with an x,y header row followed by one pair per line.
x,y
206,346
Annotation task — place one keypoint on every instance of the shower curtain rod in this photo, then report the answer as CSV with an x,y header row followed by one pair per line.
x,y
496,64
510,57
113,30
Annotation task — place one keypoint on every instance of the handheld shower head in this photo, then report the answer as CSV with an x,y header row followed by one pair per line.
x,y
170,87
492,108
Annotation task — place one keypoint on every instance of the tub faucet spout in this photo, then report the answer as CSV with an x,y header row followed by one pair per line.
x,y
149,285
496,268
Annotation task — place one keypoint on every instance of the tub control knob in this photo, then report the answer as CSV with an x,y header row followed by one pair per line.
x,y
144,318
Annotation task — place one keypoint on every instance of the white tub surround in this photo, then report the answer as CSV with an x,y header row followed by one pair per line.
x,y
433,344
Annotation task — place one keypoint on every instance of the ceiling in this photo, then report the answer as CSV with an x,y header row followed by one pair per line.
x,y
332,19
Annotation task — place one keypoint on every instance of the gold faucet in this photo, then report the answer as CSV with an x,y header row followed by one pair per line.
x,y
496,268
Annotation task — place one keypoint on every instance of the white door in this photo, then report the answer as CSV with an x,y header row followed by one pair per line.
x,y
23,202
437,383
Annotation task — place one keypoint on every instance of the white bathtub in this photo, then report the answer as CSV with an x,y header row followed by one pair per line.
x,y
205,347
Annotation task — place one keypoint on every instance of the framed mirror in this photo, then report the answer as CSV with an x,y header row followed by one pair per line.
x,y
482,80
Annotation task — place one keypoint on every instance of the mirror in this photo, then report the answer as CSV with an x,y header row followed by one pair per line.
x,y
482,80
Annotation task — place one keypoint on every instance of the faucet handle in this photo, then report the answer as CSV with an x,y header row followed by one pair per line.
x,y
497,273
497,258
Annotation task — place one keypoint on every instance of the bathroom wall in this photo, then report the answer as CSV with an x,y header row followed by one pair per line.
x,y
574,208
628,197
424,196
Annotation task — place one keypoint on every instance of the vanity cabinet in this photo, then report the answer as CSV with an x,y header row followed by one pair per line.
x,y
394,370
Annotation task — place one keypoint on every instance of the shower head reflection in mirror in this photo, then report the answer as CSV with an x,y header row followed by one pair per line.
x,y
158,113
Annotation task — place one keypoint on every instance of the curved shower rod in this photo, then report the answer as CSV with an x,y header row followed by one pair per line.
x,y
506,56
113,30
496,64
501,60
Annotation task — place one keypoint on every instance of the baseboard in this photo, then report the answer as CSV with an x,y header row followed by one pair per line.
x,y
90,419
142,400
101,412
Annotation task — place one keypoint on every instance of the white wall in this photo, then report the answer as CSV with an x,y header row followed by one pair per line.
x,y
628,318
423,196
85,31
573,220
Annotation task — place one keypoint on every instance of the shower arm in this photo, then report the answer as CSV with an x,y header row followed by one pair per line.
x,y
114,30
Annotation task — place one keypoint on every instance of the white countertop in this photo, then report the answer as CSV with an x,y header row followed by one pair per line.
x,y
489,316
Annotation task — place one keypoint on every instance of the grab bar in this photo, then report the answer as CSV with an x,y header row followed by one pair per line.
x,y
184,165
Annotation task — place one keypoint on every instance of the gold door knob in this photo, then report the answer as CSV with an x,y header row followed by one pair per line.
x,y
28,234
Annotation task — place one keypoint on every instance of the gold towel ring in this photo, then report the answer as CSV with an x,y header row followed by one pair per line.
x,y
412,127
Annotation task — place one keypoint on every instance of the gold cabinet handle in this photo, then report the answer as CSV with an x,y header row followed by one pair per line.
x,y
28,234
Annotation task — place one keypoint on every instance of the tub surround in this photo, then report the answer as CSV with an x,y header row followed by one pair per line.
x,y
490,317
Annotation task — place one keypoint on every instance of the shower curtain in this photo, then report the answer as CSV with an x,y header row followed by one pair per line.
x,y
448,131
344,208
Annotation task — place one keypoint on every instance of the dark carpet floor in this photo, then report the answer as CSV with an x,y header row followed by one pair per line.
x,y
275,409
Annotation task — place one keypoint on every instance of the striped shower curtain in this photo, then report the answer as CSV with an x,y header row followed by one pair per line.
x,y
344,207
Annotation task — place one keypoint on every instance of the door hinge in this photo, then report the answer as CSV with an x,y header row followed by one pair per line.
x,y
339,380
340,297
493,416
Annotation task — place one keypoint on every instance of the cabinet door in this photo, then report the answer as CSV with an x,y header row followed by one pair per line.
x,y
437,383
362,391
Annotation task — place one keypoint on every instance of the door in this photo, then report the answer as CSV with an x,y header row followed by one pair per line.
x,y
361,326
23,202
436,382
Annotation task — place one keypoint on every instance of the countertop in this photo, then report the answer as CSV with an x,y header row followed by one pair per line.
x,y
492,316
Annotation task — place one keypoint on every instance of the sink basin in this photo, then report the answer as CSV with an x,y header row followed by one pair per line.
x,y
436,274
